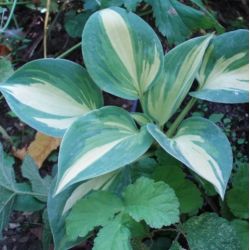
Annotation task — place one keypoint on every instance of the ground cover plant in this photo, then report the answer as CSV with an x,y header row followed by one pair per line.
x,y
158,177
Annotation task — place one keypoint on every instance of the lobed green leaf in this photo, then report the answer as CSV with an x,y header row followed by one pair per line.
x,y
177,21
95,210
113,236
154,202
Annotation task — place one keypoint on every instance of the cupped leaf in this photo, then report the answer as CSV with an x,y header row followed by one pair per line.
x,y
154,202
98,143
95,210
128,55
50,94
202,147
223,76
209,231
180,68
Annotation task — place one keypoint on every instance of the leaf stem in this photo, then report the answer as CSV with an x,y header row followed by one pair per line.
x,y
180,117
46,21
64,54
10,17
146,12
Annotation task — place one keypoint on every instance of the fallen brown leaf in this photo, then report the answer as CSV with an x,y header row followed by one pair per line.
x,y
41,147
19,153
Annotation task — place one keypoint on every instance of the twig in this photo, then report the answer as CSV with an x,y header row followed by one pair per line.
x,y
46,21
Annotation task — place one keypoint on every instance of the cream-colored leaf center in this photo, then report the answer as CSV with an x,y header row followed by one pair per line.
x,y
57,123
85,188
84,162
225,79
46,98
150,71
120,39
200,160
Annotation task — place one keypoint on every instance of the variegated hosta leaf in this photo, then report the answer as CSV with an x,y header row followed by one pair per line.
x,y
122,53
181,66
101,182
202,147
98,143
56,217
223,76
50,94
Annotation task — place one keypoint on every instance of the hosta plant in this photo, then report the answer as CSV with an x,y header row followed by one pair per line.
x,y
100,145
